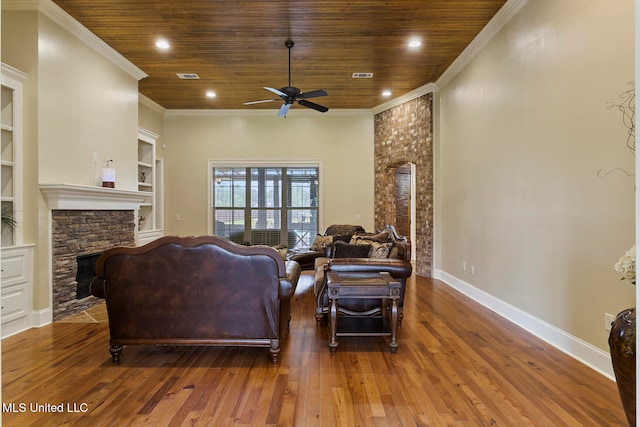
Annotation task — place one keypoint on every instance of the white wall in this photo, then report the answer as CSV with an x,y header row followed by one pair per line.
x,y
533,168
341,140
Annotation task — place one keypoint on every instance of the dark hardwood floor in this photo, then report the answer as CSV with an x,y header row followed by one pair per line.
x,y
458,364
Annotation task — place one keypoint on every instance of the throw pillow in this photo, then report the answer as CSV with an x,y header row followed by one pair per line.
x,y
380,250
383,237
321,242
346,250
282,250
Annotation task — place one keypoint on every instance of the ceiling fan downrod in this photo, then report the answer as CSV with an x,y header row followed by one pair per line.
x,y
289,44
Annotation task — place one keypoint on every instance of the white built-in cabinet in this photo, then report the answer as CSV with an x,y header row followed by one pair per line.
x,y
149,180
16,277
16,292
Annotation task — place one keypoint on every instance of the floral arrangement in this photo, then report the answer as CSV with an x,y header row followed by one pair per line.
x,y
626,266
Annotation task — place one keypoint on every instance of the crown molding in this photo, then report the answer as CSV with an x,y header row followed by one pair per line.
x,y
504,15
14,73
151,104
416,93
147,135
54,12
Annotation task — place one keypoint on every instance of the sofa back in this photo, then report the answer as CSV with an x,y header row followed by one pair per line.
x,y
196,288
343,230
386,243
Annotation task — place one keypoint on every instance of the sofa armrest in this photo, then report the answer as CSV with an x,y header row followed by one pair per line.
x,y
398,268
290,281
306,259
97,287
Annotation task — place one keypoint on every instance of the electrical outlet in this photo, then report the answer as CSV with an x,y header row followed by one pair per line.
x,y
473,269
95,157
608,319
464,266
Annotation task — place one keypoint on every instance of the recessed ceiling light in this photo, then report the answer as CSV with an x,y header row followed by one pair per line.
x,y
414,43
386,93
211,94
163,44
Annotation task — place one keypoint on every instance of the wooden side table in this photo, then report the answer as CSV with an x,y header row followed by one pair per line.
x,y
365,286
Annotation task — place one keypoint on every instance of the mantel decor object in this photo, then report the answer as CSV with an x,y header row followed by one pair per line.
x,y
108,176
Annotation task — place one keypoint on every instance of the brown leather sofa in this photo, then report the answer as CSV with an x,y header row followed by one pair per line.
x,y
397,264
307,257
196,291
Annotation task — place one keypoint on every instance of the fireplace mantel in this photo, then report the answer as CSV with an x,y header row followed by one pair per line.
x,y
85,197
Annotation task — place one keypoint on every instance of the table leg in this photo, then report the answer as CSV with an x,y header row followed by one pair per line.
x,y
333,324
393,344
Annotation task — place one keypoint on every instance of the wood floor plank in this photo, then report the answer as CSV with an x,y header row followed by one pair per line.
x,y
458,364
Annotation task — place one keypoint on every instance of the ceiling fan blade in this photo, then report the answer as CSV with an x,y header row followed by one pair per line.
x,y
284,110
313,105
276,91
260,102
313,94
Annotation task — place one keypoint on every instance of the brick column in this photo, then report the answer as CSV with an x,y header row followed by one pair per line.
x,y
404,134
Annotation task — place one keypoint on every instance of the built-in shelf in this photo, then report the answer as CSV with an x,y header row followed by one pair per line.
x,y
147,216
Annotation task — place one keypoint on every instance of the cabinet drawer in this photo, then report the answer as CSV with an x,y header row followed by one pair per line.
x,y
14,269
17,281
15,301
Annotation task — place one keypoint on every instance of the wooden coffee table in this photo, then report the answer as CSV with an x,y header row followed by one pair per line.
x,y
365,286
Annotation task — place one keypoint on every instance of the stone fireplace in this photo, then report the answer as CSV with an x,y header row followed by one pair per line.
x,y
84,221
78,233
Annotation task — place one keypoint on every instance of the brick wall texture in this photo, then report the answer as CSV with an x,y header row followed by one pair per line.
x,y
76,233
404,134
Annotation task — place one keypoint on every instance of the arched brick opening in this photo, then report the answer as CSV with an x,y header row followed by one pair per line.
x,y
404,134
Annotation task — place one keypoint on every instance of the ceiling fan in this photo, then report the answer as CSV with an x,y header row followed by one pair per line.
x,y
290,94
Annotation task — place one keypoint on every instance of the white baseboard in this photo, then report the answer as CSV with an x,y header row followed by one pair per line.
x,y
35,319
41,317
580,350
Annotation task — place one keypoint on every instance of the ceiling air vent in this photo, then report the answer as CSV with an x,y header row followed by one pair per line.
x,y
188,76
362,75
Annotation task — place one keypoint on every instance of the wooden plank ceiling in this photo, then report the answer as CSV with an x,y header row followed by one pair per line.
x,y
237,47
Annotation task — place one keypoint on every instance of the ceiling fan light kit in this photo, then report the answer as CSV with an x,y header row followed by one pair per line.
x,y
290,94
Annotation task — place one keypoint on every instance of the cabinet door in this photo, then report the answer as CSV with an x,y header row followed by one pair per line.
x,y
16,285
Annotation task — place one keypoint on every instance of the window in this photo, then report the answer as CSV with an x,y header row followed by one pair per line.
x,y
266,205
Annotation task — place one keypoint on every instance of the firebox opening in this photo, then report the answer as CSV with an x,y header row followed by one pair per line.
x,y
86,272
